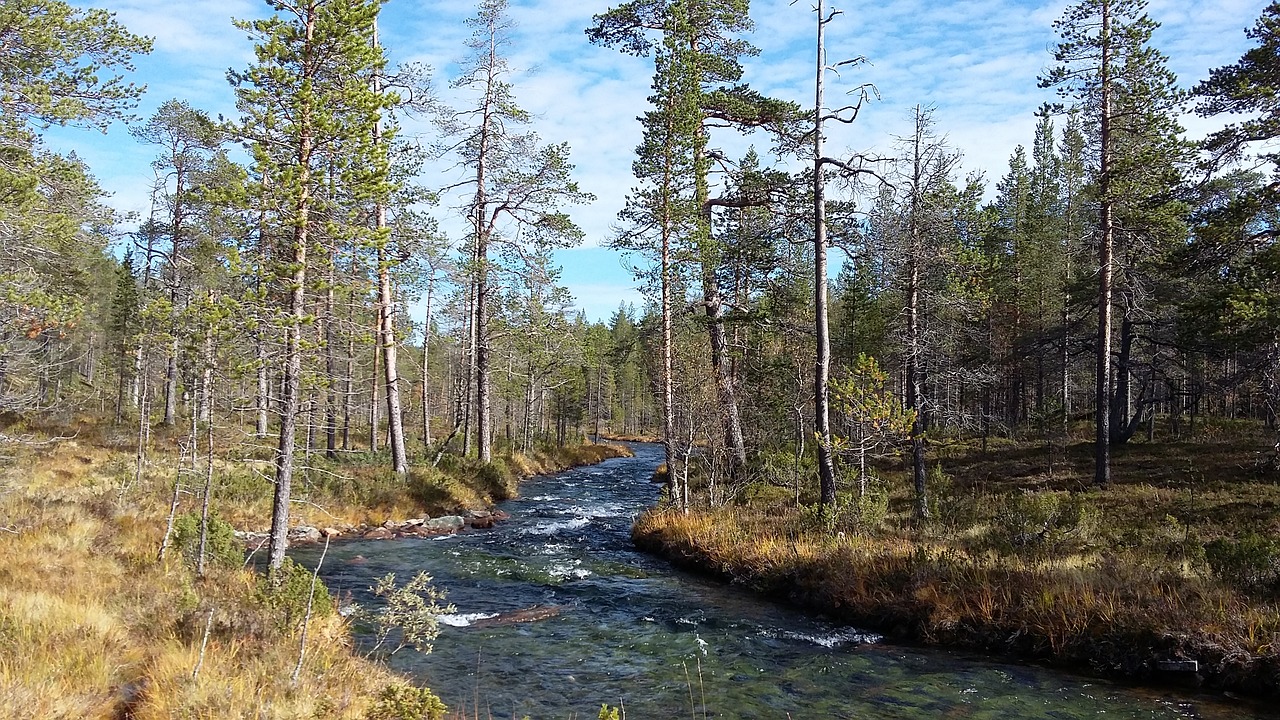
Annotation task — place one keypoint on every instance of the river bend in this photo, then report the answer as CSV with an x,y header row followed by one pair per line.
x,y
621,627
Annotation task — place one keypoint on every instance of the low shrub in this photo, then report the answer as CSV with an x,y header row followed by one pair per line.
x,y
764,495
864,513
496,480
221,546
1042,522
286,592
412,611
1251,563
429,487
243,485
406,702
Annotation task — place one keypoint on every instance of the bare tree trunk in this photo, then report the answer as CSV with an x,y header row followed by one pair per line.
x,y
204,500
204,402
1102,450
193,448
138,382
484,418
426,366
386,316
469,377
262,397
306,620
822,364
599,398
915,381
171,378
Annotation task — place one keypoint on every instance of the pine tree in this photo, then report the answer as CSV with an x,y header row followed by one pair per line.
x,y
1105,64
518,186
307,96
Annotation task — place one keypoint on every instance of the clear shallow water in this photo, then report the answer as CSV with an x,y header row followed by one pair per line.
x,y
628,629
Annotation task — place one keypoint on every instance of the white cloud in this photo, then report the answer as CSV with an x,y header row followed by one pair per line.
x,y
977,61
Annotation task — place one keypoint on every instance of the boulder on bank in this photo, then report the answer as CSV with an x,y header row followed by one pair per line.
x,y
378,533
446,524
304,534
481,519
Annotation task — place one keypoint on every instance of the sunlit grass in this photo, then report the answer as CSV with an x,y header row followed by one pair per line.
x,y
92,621
1135,578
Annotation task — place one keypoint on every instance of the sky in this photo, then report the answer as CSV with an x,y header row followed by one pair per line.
x,y
976,62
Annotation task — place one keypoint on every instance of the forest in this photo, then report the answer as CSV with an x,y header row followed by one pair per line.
x,y
855,363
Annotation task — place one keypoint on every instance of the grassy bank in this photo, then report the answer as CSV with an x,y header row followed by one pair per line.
x,y
93,625
1176,560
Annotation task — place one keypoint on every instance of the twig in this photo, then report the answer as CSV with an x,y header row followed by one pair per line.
x,y
208,625
26,440
702,688
248,559
688,682
306,621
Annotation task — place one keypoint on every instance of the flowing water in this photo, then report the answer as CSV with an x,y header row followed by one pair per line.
x,y
624,628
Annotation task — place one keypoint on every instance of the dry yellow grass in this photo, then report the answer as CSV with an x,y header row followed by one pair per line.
x,y
91,622
1117,594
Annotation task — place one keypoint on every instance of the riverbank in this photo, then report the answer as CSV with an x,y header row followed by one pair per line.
x,y
429,503
93,625
1166,577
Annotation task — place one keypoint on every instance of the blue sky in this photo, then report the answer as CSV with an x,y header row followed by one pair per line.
x,y
975,61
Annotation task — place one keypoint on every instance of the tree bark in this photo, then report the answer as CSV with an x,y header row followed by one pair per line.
x,y
1102,394
822,363
426,367
386,317
915,381
292,378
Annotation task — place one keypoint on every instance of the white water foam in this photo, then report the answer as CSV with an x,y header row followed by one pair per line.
x,y
597,511
463,619
550,528
702,644
568,570
842,637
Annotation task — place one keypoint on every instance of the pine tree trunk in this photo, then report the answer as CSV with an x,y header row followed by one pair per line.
x,y
822,364
426,367
330,367
171,379
386,317
1102,450
668,353
375,419
349,371
292,375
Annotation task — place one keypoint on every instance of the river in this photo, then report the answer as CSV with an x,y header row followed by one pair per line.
x,y
630,630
